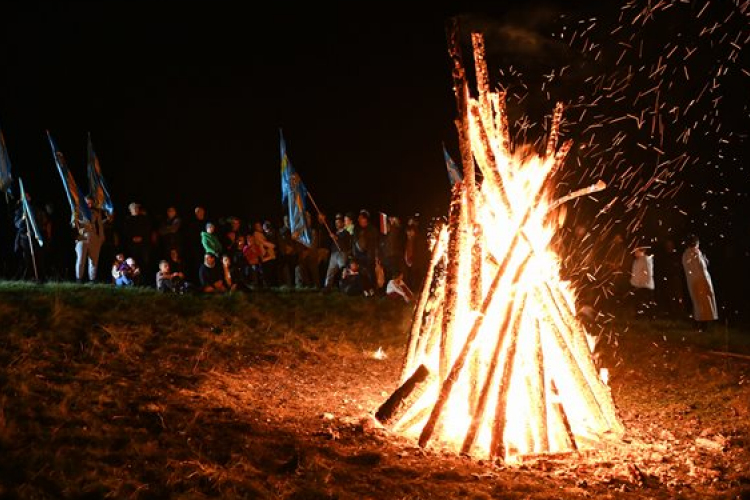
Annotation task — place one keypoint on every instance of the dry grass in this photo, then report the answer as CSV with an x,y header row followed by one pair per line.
x,y
129,394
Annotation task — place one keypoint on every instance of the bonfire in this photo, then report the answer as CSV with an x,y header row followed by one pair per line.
x,y
497,364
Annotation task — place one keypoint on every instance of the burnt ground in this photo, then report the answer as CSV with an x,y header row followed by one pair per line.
x,y
117,394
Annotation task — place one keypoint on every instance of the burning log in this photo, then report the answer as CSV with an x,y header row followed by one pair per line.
x,y
504,367
404,397
419,320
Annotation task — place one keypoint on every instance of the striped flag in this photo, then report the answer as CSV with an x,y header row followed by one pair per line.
x,y
97,187
28,212
78,208
6,179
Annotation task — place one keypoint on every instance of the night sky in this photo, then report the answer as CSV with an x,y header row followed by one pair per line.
x,y
184,102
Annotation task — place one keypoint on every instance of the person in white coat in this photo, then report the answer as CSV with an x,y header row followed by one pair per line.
x,y
699,284
642,281
89,241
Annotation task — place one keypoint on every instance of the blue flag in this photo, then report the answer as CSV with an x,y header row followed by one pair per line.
x,y
454,174
78,208
294,194
6,179
97,187
28,212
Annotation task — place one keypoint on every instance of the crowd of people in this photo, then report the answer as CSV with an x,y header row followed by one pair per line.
x,y
351,252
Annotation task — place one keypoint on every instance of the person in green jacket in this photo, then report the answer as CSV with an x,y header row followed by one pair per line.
x,y
211,243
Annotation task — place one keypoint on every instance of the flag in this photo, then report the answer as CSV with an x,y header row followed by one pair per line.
x,y
294,194
454,174
28,212
78,208
97,187
6,179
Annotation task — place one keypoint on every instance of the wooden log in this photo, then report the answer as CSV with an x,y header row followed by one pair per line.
x,y
495,177
498,445
418,320
554,130
575,343
409,421
453,275
498,358
503,131
461,91
402,399
571,366
563,416
477,260
538,393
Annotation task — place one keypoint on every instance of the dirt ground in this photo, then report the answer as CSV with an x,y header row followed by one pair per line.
x,y
273,397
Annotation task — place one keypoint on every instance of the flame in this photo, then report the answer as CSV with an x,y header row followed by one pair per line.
x,y
379,354
496,328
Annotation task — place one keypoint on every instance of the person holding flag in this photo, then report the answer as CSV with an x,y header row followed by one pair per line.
x,y
29,239
86,216
89,240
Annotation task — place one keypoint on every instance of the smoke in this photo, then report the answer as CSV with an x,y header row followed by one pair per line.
x,y
520,35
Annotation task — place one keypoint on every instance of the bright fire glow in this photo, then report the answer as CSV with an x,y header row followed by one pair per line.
x,y
511,372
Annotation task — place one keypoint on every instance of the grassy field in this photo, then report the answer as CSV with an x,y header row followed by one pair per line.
x,y
112,393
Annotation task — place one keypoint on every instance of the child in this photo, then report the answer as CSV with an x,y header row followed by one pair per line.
x,y
126,272
119,262
396,288
351,280
167,281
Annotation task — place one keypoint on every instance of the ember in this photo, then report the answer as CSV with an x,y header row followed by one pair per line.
x,y
497,363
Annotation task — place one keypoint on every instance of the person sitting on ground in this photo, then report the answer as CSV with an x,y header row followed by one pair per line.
x,y
233,279
127,272
176,264
119,261
211,242
211,276
168,281
397,288
351,280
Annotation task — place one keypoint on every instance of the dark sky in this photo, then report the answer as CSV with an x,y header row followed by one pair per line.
x,y
184,100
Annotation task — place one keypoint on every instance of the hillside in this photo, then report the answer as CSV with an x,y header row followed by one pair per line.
x,y
110,393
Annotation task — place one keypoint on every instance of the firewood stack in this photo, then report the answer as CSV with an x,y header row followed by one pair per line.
x,y
497,364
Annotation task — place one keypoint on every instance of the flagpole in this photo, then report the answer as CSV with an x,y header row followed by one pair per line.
x,y
325,222
31,244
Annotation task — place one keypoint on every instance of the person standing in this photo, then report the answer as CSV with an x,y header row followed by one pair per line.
x,y
170,233
137,235
341,250
366,250
89,242
642,281
26,245
699,284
